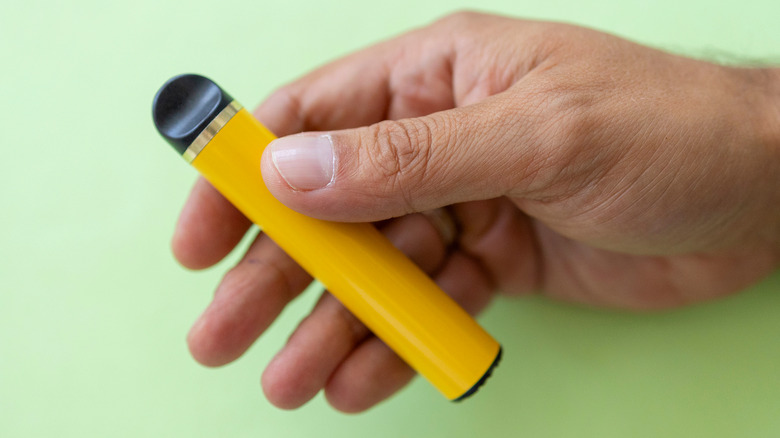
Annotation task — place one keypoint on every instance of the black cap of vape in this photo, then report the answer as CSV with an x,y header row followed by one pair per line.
x,y
184,106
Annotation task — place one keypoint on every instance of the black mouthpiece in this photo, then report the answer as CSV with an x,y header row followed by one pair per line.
x,y
184,106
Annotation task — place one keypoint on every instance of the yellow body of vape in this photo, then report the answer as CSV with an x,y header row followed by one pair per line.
x,y
358,265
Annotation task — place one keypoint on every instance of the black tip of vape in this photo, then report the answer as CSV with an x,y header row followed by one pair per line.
x,y
484,378
184,106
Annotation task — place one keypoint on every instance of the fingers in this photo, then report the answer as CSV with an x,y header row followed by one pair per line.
x,y
317,101
208,228
255,291
331,349
371,373
501,237
330,333
408,76
247,300
315,349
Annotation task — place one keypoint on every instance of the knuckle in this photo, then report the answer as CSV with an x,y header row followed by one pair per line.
x,y
568,114
397,154
570,126
254,273
345,322
556,32
459,18
464,29
284,93
234,279
285,103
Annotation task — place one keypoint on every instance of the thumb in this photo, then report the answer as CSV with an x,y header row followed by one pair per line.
x,y
398,167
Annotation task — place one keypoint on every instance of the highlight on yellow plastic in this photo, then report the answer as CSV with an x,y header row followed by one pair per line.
x,y
358,265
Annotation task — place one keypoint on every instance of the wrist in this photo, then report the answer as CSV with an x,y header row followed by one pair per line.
x,y
772,112
771,141
759,105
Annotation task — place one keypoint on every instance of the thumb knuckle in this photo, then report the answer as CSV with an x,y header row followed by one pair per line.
x,y
397,154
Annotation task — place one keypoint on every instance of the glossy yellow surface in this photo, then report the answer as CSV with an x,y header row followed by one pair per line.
x,y
358,265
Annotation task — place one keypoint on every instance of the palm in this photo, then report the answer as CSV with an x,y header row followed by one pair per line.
x,y
517,254
579,273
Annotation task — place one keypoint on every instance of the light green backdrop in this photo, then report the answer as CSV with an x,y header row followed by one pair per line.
x,y
94,310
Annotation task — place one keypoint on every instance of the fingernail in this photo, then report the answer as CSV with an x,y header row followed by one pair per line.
x,y
305,162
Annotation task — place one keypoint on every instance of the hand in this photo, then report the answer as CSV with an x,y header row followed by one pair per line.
x,y
576,164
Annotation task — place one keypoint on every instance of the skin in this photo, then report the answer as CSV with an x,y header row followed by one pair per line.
x,y
577,165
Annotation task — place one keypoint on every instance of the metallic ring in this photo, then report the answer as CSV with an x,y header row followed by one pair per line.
x,y
211,130
445,224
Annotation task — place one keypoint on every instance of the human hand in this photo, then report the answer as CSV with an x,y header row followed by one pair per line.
x,y
575,163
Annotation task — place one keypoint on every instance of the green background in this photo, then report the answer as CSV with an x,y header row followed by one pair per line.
x,y
94,310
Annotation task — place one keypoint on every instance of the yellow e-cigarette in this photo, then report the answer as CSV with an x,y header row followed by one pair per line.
x,y
358,265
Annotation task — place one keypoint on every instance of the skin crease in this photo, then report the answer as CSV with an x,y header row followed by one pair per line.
x,y
577,164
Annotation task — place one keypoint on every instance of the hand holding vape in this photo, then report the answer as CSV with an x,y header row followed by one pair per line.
x,y
396,300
